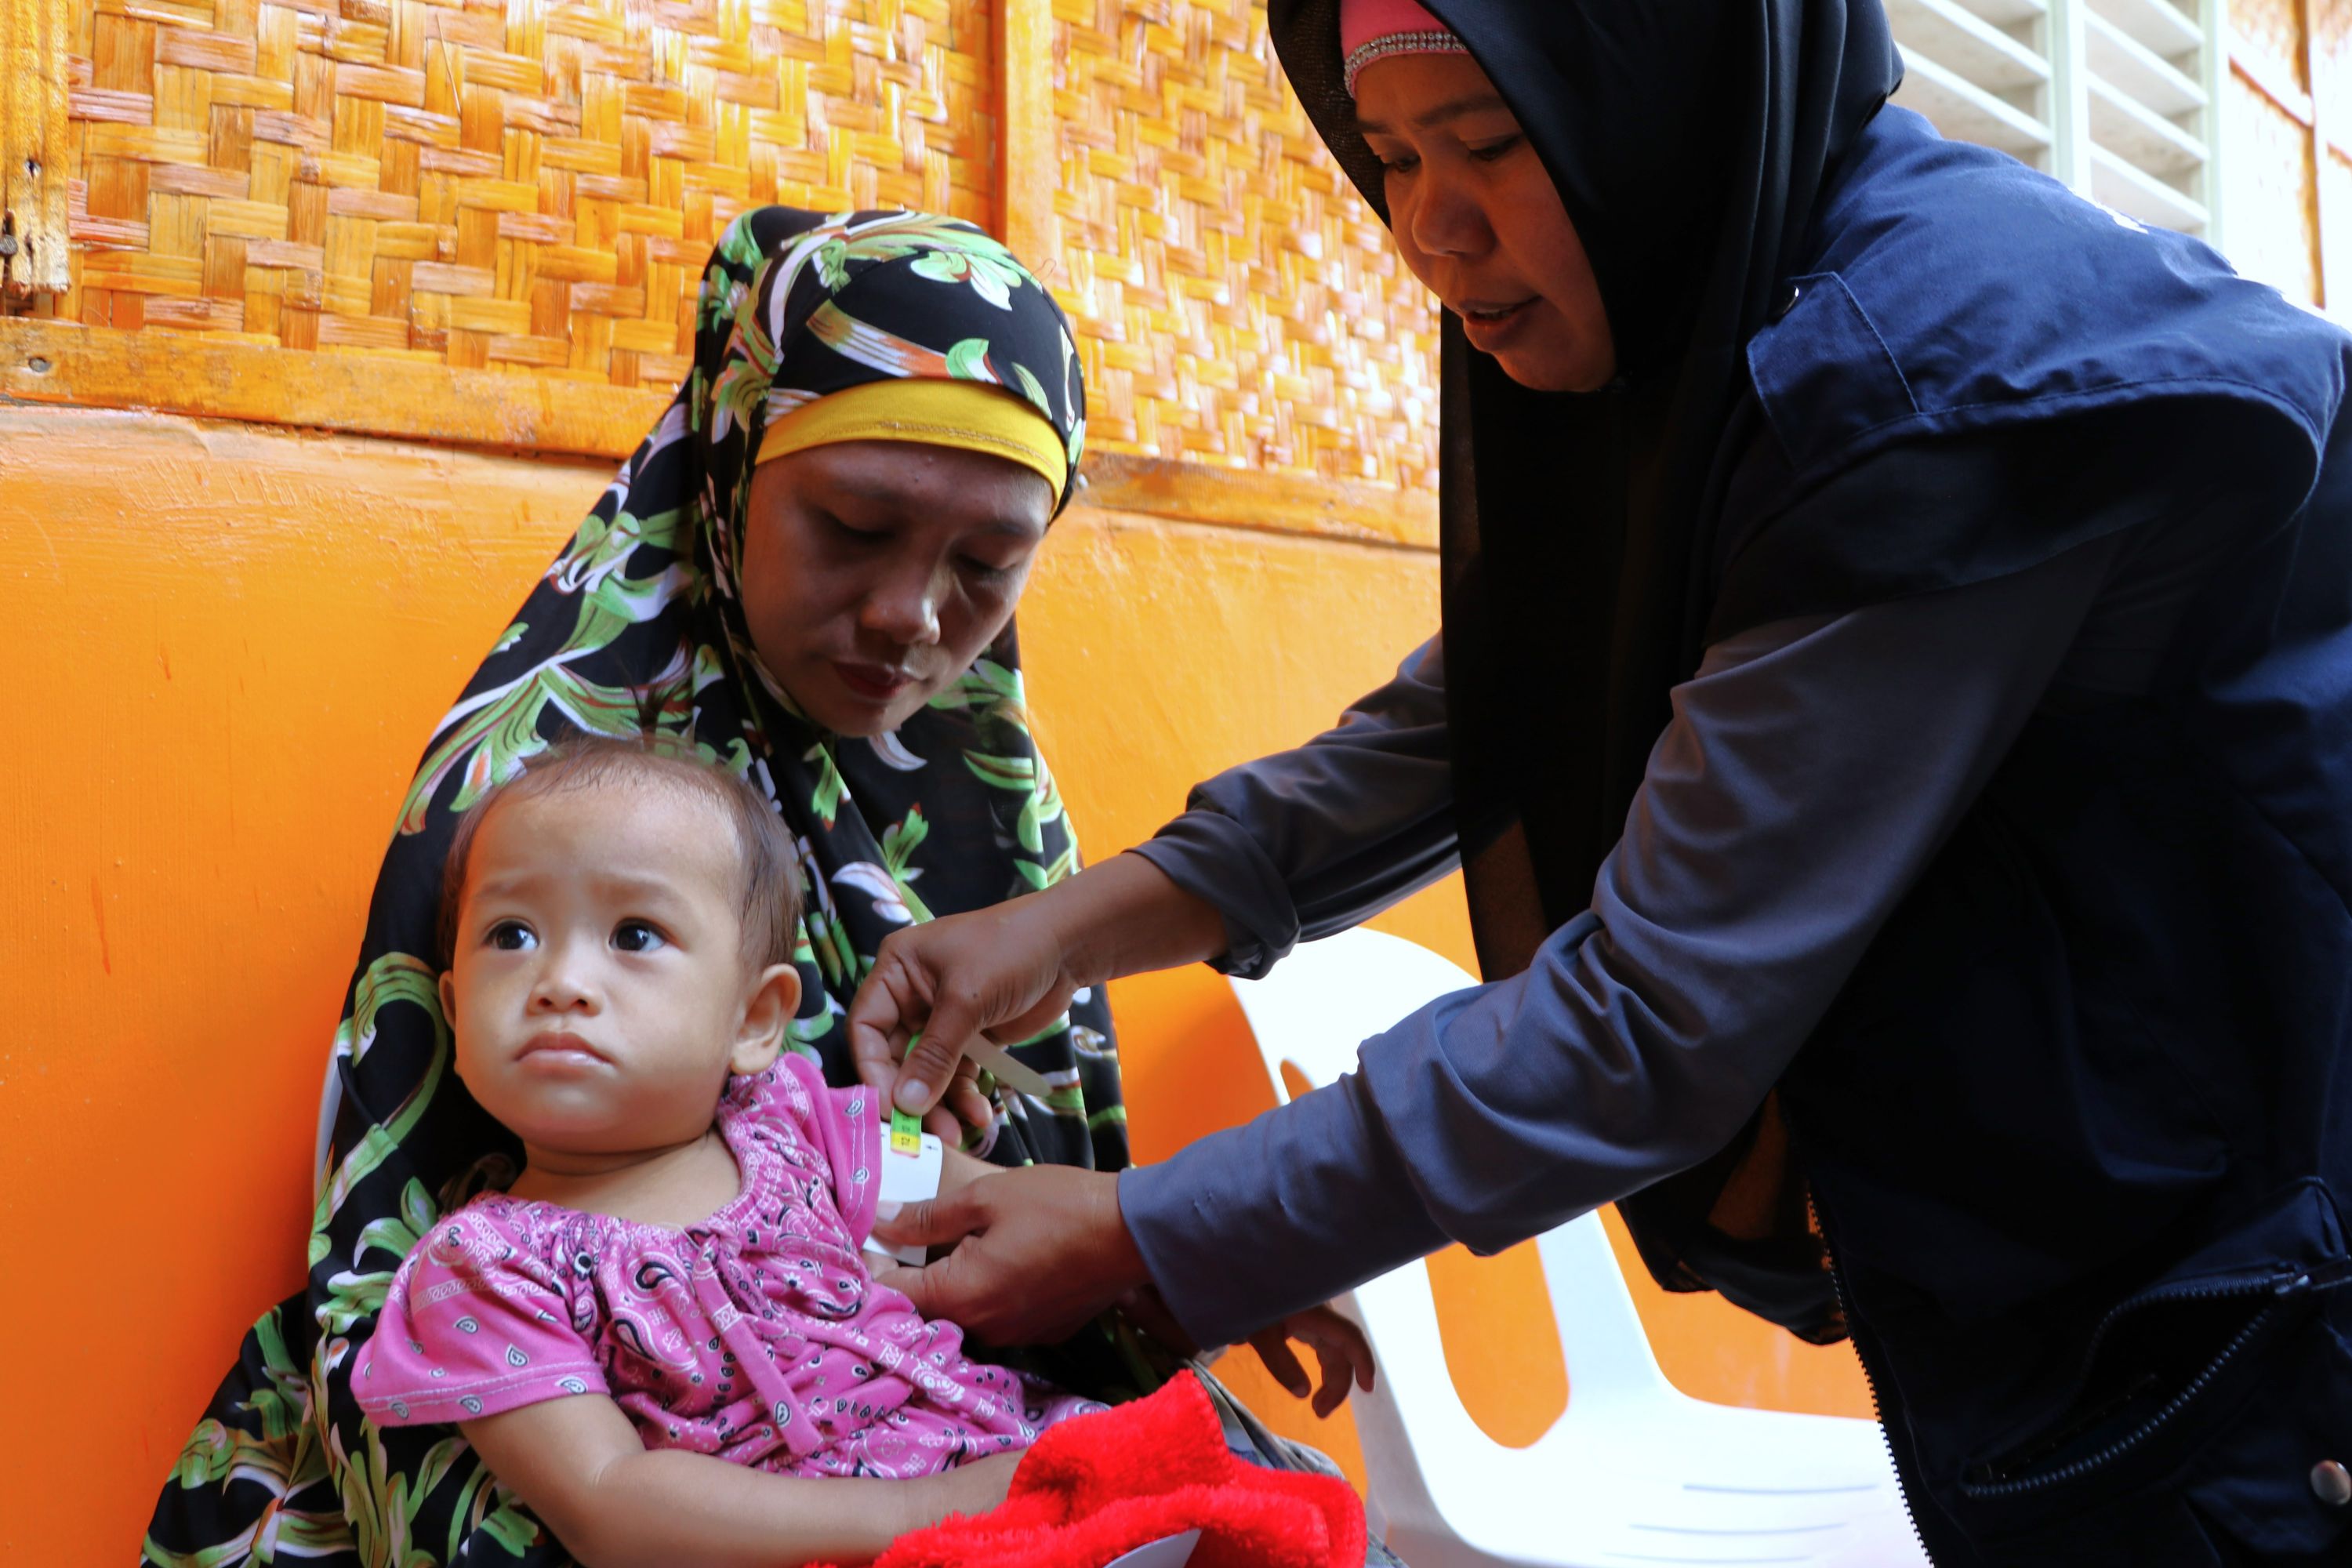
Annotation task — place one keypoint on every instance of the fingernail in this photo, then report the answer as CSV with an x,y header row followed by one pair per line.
x,y
913,1096
886,1208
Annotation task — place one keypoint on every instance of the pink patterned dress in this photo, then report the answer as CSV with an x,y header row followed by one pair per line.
x,y
757,1335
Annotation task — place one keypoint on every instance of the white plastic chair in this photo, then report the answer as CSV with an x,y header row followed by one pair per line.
x,y
1634,1472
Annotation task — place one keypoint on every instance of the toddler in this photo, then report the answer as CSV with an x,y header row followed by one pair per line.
x,y
660,1287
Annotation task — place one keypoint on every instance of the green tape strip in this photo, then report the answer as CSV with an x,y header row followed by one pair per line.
x,y
906,1131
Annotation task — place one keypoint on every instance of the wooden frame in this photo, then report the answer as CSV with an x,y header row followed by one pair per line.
x,y
1027,161
56,363
33,249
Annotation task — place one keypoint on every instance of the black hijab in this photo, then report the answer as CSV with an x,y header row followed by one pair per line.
x,y
1690,141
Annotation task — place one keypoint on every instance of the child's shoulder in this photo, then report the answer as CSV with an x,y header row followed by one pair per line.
x,y
787,1123
485,1309
497,1234
789,1092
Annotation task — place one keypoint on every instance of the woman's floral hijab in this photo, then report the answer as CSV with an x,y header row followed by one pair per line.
x,y
636,626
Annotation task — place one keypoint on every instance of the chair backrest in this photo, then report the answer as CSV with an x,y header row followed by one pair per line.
x,y
1634,1470
1326,999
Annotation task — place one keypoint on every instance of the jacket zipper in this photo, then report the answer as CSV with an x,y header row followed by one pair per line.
x,y
2280,1288
1863,1356
2172,1407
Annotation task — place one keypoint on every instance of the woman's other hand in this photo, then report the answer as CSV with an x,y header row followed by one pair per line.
x,y
1009,971
1342,1352
1038,1253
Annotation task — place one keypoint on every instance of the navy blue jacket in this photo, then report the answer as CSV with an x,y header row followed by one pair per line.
x,y
2076,1128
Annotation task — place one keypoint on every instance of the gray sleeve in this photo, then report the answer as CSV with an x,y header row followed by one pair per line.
x,y
1310,841
1809,770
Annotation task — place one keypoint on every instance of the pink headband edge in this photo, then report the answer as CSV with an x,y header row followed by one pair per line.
x,y
1379,29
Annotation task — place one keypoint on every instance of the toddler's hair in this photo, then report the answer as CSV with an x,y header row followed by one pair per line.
x,y
770,872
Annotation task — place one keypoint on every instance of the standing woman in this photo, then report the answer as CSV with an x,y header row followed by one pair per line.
x,y
1894,711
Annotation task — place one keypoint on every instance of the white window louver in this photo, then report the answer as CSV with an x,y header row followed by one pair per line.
x,y
2117,97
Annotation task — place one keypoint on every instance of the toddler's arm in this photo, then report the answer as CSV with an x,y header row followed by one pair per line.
x,y
959,1170
615,1503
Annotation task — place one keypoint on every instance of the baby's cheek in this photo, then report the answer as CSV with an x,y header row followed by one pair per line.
x,y
463,1059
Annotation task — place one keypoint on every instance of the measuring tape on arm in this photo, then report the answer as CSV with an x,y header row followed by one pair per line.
x,y
913,1158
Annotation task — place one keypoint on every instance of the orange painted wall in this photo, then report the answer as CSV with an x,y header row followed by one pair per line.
x,y
229,642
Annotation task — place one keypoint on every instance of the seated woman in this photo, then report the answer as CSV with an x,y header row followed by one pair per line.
x,y
809,568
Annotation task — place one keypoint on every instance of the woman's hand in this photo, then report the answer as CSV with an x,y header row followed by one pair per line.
x,y
1038,1253
1340,1349
1009,971
1000,971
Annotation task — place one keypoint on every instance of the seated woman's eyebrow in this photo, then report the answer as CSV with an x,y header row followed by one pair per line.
x,y
893,501
871,492
1014,527
1481,100
893,504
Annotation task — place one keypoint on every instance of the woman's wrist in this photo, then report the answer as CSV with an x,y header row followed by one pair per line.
x,y
1126,916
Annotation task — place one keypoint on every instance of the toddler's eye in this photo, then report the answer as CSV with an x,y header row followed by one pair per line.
x,y
635,936
513,936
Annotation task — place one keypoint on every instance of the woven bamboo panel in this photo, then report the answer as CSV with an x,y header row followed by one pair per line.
x,y
2335,211
2273,193
1238,303
2331,38
2276,28
522,184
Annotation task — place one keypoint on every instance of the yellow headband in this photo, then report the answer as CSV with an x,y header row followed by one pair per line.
x,y
970,414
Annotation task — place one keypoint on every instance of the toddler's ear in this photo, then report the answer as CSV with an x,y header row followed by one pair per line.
x,y
767,1014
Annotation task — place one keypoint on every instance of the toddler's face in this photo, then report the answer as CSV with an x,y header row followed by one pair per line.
x,y
599,988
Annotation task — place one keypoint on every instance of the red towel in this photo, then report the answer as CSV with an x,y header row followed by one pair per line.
x,y
1098,1486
